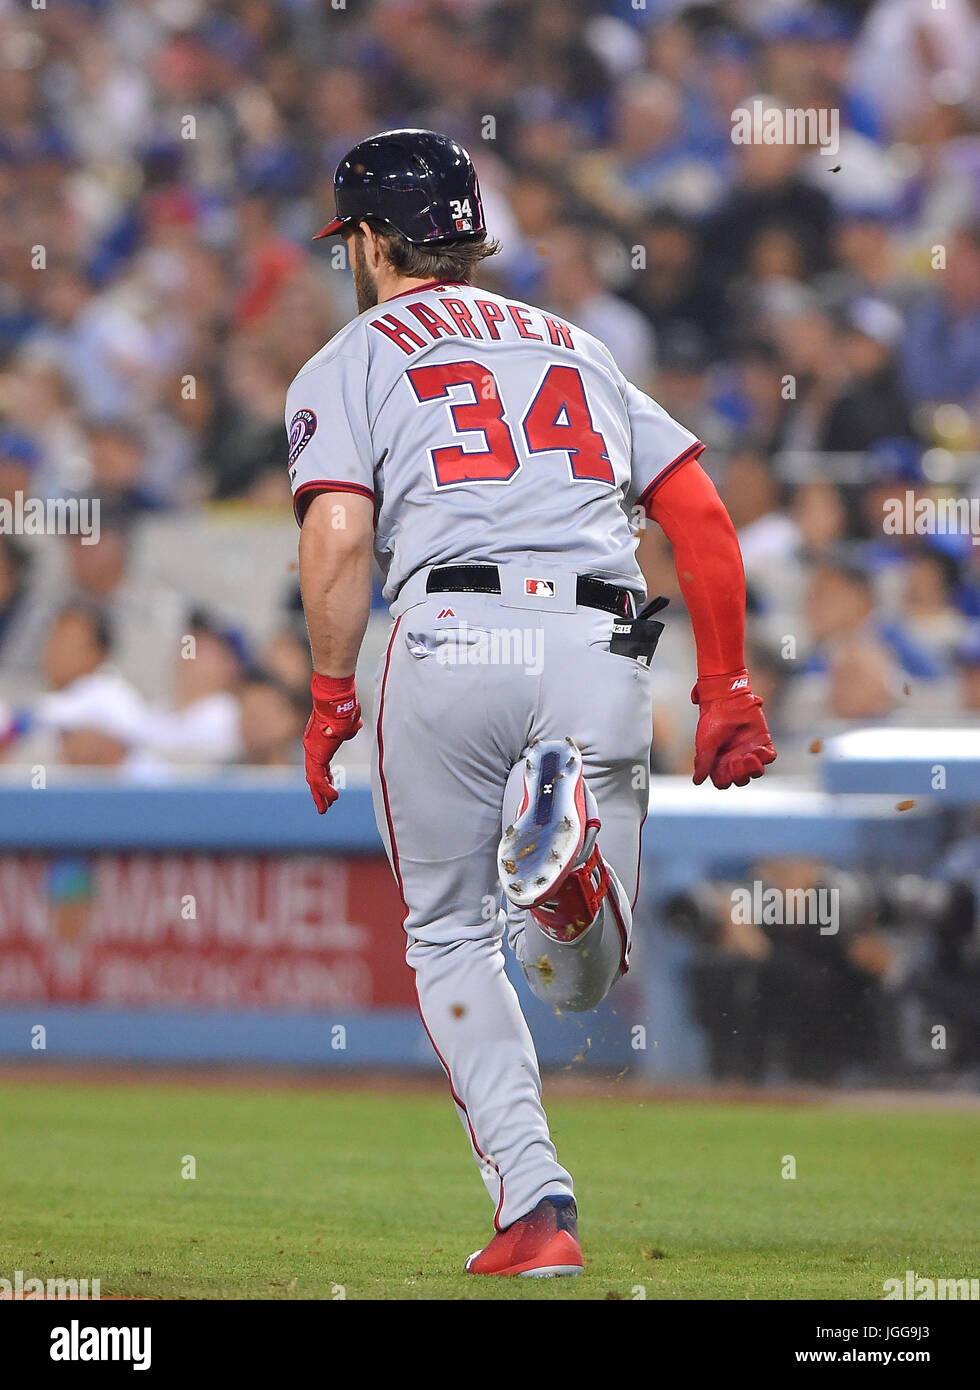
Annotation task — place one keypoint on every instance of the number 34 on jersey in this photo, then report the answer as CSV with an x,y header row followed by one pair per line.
x,y
556,418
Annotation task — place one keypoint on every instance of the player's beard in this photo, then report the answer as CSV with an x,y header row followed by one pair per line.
x,y
365,286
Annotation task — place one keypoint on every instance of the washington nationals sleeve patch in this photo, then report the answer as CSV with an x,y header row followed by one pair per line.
x,y
302,428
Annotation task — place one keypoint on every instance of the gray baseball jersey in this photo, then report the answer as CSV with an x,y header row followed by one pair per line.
x,y
482,428
489,431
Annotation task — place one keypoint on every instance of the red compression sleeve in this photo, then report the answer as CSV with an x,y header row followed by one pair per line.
x,y
708,563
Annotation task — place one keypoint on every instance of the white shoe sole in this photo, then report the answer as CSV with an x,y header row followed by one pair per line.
x,y
536,851
545,1272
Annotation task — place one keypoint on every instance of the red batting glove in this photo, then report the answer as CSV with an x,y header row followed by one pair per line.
x,y
733,743
336,717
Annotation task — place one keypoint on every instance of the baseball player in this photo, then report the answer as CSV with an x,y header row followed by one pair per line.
x,y
489,454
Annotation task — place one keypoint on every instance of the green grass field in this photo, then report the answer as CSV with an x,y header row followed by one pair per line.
x,y
300,1191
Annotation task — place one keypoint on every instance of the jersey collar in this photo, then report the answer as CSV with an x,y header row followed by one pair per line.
x,y
429,285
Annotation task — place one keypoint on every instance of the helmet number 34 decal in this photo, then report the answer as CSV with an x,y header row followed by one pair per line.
x,y
462,214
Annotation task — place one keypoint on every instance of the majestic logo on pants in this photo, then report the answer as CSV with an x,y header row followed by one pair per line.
x,y
539,588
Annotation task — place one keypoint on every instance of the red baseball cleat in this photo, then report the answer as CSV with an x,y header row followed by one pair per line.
x,y
548,860
537,1246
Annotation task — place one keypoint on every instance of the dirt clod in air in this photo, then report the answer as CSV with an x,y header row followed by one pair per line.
x,y
545,968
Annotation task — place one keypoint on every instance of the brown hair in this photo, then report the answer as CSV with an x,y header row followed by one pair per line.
x,y
453,262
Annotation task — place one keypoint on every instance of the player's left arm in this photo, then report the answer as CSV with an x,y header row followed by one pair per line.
x,y
335,550
733,743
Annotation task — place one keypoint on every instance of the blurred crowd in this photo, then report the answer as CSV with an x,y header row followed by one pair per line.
x,y
812,314
885,989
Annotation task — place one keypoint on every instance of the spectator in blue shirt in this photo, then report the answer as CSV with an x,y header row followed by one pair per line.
x,y
941,351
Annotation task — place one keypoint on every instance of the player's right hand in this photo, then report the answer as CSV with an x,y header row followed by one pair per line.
x,y
733,743
336,717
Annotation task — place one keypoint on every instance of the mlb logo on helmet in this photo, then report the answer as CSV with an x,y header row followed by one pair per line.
x,y
539,588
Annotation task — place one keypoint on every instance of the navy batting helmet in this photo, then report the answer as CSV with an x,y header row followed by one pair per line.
x,y
417,182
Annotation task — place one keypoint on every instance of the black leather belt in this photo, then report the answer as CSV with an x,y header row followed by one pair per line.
x,y
485,579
